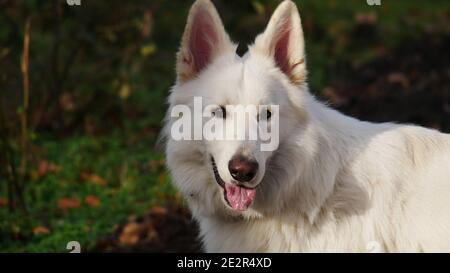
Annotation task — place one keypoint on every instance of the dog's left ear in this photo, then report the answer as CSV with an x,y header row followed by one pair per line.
x,y
203,40
284,42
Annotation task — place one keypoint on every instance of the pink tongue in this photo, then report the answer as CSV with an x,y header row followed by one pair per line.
x,y
239,198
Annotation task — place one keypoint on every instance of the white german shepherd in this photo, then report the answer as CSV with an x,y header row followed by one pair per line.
x,y
334,184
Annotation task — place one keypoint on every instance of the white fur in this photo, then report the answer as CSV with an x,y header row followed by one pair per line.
x,y
335,184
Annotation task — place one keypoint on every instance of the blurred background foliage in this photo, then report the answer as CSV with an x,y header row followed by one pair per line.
x,y
99,74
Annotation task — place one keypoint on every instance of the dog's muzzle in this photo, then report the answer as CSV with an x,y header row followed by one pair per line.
x,y
239,198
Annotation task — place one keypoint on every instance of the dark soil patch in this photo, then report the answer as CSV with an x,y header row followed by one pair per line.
x,y
163,229
408,85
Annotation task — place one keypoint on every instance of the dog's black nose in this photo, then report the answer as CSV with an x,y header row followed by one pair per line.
x,y
242,168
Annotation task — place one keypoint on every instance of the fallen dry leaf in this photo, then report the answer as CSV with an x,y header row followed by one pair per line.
x,y
92,201
45,167
3,202
125,91
67,102
41,230
91,127
369,18
152,234
93,178
147,24
131,234
68,203
400,78
158,210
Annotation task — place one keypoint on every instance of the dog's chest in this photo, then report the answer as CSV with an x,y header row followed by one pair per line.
x,y
271,236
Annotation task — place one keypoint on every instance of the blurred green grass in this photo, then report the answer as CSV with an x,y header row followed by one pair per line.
x,y
135,179
119,84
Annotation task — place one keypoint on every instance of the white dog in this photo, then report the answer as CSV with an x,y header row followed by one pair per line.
x,y
334,184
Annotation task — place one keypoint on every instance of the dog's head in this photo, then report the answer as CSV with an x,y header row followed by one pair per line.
x,y
268,82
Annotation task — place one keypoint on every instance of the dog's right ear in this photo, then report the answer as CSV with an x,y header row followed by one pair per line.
x,y
283,41
203,40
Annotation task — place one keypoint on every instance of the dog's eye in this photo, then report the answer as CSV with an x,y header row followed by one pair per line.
x,y
220,112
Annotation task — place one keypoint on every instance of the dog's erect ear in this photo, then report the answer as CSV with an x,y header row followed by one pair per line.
x,y
284,42
204,39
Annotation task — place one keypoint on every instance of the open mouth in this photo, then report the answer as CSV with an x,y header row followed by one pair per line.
x,y
237,197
